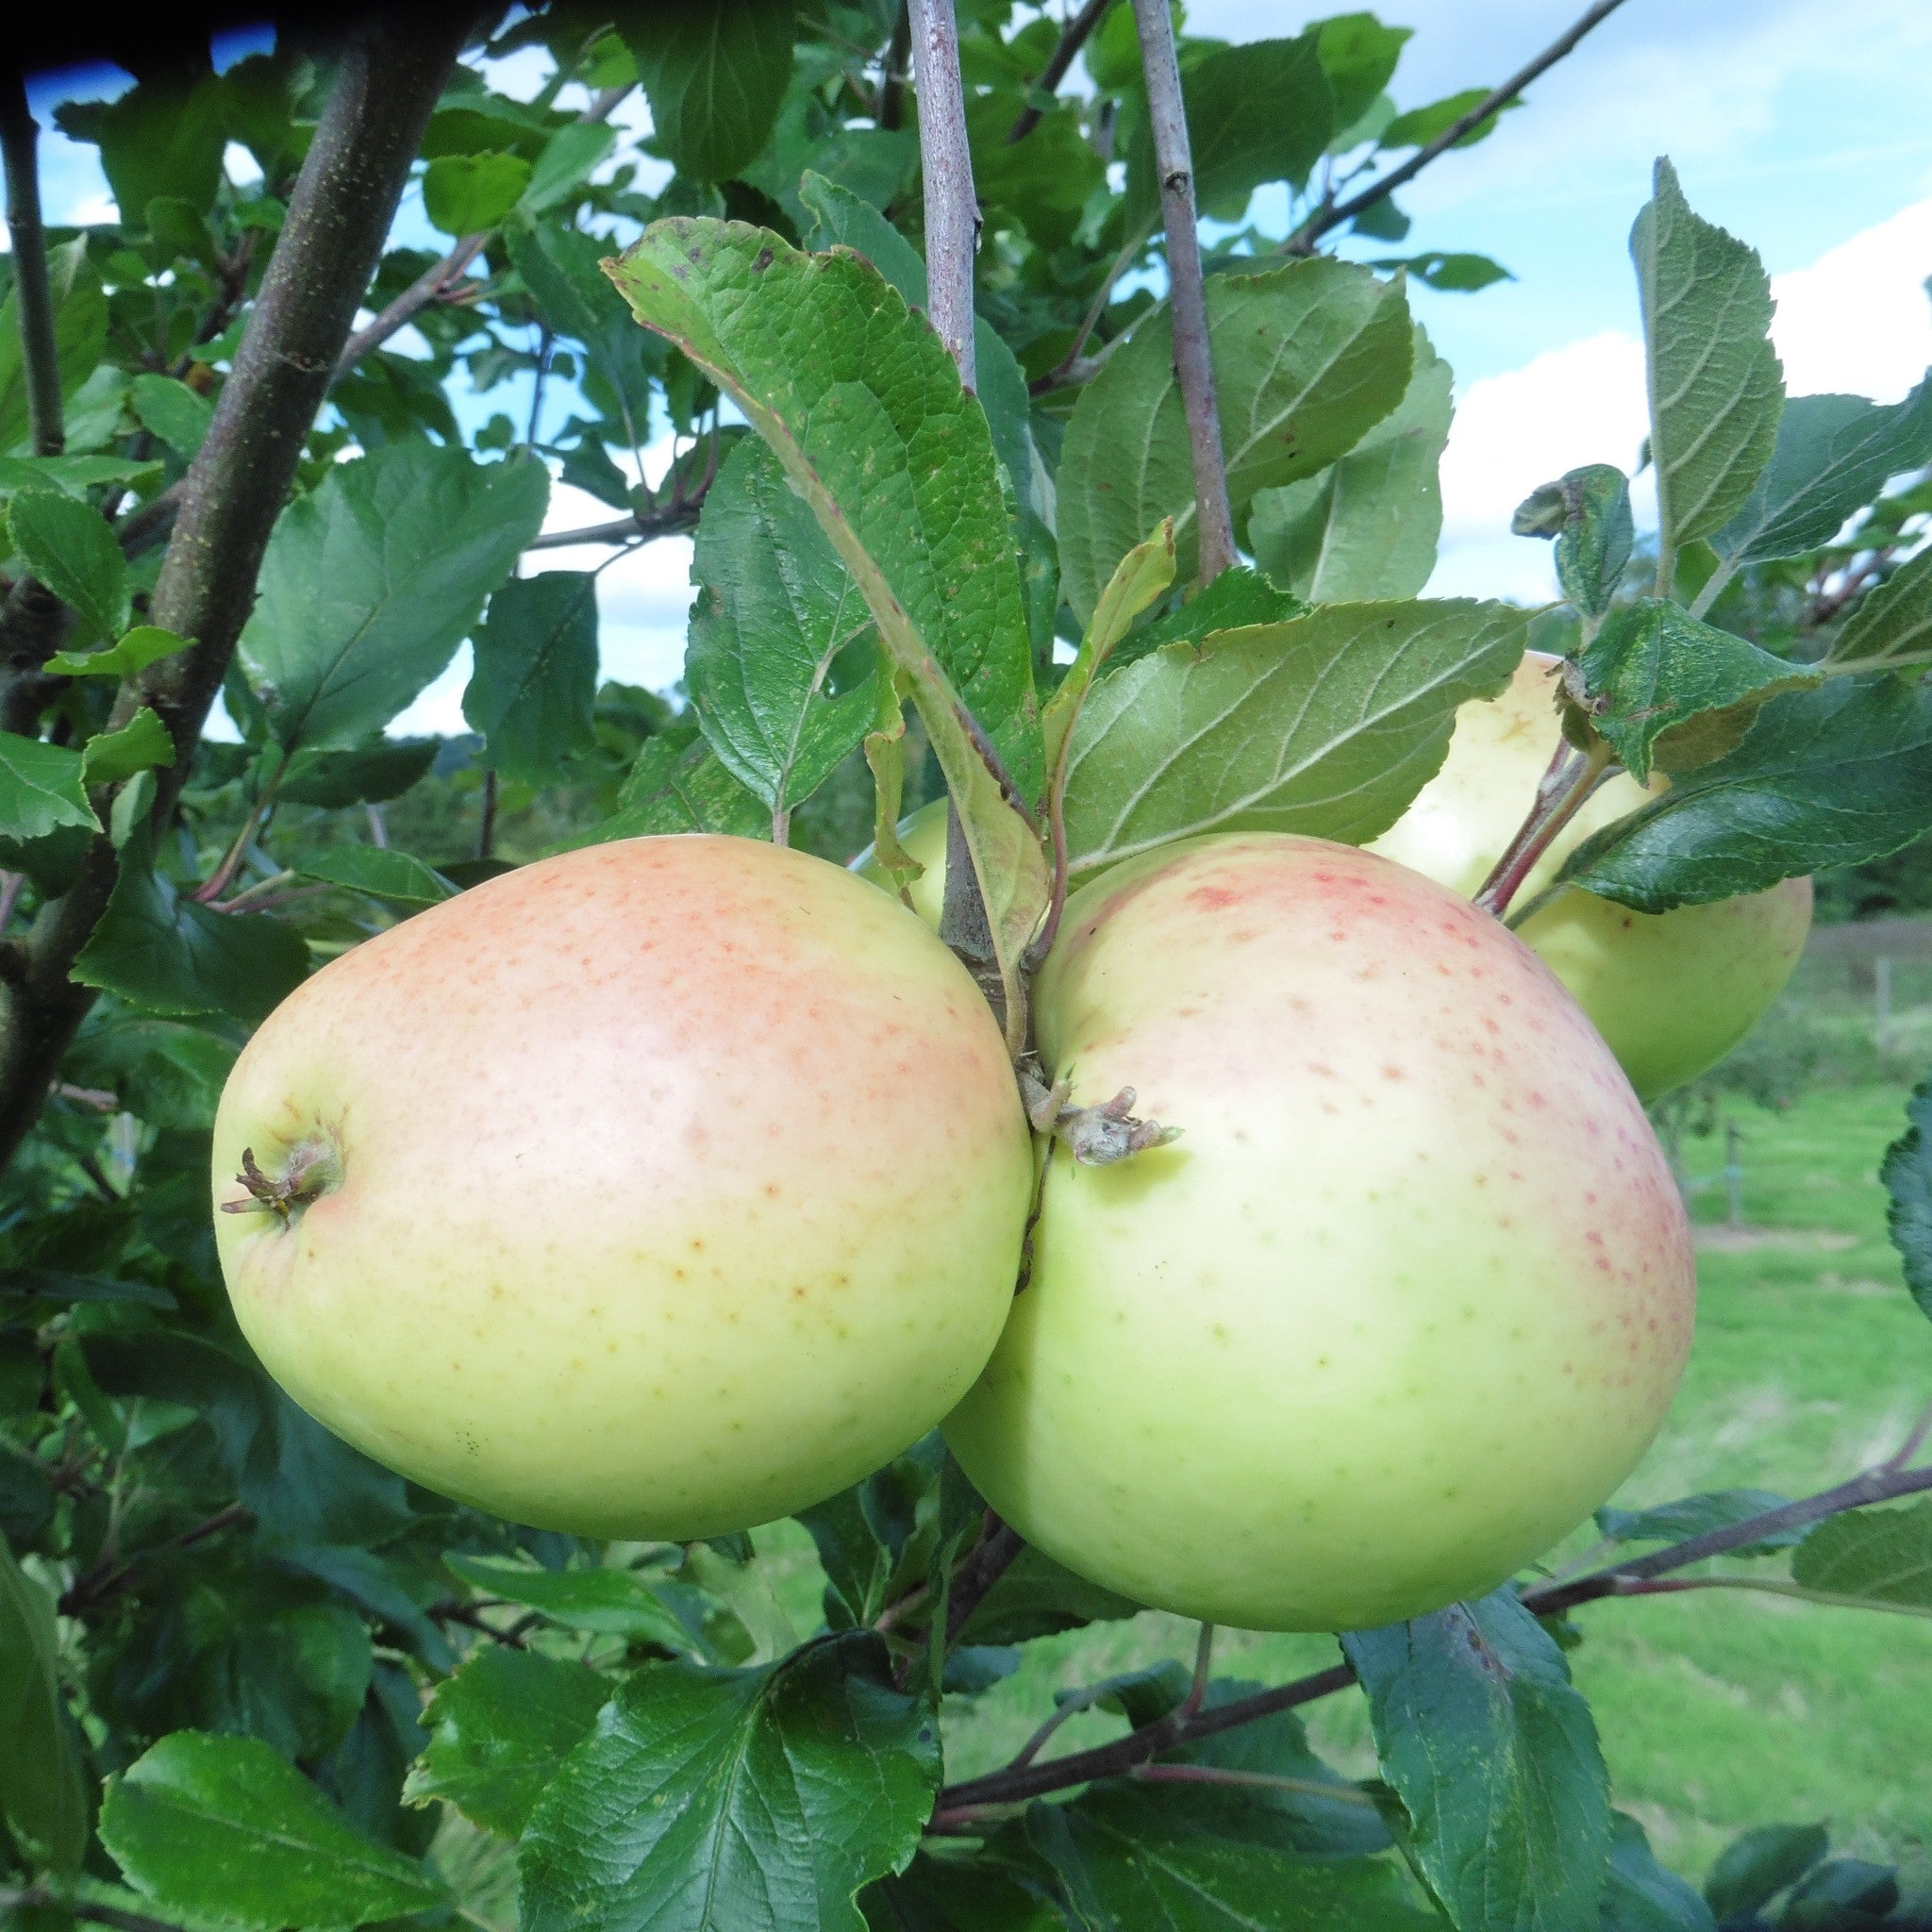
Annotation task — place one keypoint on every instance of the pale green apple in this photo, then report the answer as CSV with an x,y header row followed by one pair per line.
x,y
659,1189
1406,1300
1673,992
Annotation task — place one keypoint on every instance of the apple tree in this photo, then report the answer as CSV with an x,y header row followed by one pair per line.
x,y
1019,496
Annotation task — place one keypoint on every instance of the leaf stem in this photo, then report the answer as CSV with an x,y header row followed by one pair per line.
x,y
33,296
1571,777
1303,239
1187,293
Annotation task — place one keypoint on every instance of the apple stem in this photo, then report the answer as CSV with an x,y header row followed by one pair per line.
x,y
1565,785
1204,1662
312,1171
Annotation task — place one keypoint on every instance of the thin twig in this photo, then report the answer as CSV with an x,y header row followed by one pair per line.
x,y
436,281
1203,1665
673,521
1187,295
988,1560
890,112
1303,239
961,1805
1066,50
41,1896
33,296
1914,1441
952,210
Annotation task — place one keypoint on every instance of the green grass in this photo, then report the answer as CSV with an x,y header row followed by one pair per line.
x,y
1721,1710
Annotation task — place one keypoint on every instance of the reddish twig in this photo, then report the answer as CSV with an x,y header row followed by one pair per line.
x,y
1187,294
1571,777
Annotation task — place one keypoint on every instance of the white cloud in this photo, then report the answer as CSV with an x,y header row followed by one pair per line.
x,y
1857,320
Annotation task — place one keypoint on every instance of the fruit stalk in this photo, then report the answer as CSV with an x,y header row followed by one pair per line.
x,y
1560,794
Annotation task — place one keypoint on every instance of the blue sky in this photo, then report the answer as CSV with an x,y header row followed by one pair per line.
x,y
1799,124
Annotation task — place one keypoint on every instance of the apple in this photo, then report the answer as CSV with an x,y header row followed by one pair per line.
x,y
1408,1299
657,1190
1673,992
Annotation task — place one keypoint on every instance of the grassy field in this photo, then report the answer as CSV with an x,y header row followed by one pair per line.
x,y
1723,1709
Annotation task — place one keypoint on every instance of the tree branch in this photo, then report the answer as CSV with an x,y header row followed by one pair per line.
x,y
952,210
18,141
1303,239
1066,50
438,279
988,1560
1186,296
672,521
962,1804
338,215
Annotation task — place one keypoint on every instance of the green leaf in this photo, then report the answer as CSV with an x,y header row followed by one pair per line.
x,y
1908,1177
715,73
1653,668
1042,183
723,1799
570,157
1238,598
77,476
1833,456
499,1728
143,645
1454,274
535,679
1036,1597
28,1502
611,1603
1588,512
465,194
843,219
1366,528
223,1826
1883,1555
1640,1895
561,270
1421,126
939,1893
1261,111
682,788
381,872
1359,56
1307,359
1140,579
370,584
70,548
173,411
1750,1871
1495,1759
1893,622
1825,778
1129,1858
140,744
1671,1523
1327,725
42,788
43,1792
1716,388
80,329
383,769
161,952
896,459
161,141
774,608
873,1539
